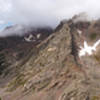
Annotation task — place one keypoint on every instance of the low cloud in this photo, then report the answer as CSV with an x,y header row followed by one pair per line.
x,y
46,12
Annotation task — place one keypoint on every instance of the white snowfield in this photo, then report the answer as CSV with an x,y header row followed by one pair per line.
x,y
88,49
38,36
29,38
79,32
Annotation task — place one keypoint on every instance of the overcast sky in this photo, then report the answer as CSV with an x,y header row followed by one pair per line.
x,y
45,12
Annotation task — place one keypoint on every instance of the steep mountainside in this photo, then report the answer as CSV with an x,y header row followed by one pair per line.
x,y
54,68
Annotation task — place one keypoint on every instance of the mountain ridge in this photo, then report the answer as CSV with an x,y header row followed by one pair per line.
x,y
53,69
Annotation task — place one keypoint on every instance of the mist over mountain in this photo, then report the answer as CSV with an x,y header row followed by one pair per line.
x,y
45,12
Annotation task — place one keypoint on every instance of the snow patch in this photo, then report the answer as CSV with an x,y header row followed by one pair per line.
x,y
38,36
88,49
30,38
79,32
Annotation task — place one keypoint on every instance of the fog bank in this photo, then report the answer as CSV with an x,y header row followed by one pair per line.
x,y
45,12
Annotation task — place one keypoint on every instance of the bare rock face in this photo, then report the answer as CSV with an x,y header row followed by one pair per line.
x,y
53,69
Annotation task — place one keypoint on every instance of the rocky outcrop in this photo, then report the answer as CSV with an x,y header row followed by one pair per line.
x,y
53,69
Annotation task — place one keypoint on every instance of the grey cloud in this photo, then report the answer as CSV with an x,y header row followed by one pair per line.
x,y
46,12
